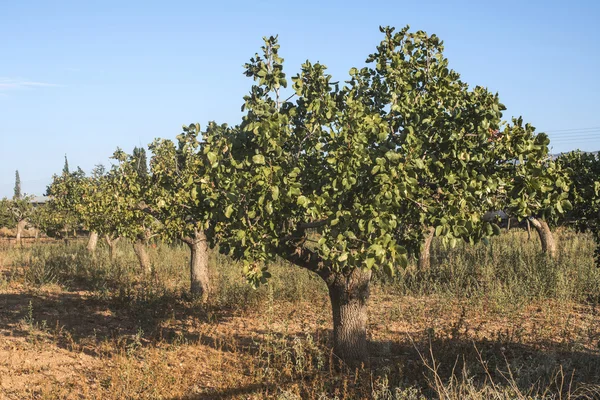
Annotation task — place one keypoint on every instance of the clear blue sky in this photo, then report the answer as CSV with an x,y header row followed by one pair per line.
x,y
83,77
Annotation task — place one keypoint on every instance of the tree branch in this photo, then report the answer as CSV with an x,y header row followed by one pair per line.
x,y
304,258
315,224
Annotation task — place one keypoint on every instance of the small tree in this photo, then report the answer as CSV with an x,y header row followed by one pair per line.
x,y
66,192
185,196
17,195
17,211
583,170
65,170
342,180
125,188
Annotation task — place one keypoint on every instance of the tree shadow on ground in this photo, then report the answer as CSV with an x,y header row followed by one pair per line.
x,y
87,319
548,368
405,360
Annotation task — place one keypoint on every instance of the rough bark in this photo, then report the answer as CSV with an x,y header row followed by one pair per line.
x,y
112,247
425,255
349,294
199,278
546,237
139,247
92,242
20,227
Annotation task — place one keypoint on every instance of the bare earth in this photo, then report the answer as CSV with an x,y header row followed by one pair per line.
x,y
56,343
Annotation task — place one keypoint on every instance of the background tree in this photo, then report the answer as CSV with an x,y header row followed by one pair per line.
x,y
183,196
17,212
65,170
536,188
141,162
583,170
342,180
17,192
66,191
49,220
97,209
126,188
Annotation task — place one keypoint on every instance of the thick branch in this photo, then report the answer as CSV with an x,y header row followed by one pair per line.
x,y
311,225
305,258
145,208
199,236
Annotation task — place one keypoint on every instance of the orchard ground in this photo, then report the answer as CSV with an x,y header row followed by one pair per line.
x,y
496,321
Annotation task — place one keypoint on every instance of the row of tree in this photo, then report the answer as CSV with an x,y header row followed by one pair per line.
x,y
339,179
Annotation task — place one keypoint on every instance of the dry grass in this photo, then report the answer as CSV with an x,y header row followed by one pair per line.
x,y
73,326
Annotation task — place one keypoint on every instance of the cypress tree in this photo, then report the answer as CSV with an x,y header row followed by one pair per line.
x,y
66,166
139,154
17,194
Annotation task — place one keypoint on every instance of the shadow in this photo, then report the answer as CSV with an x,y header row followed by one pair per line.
x,y
548,368
79,319
413,358
232,393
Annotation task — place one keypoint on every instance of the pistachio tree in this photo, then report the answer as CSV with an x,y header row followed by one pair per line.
x,y
97,208
343,179
531,185
16,212
179,194
584,177
66,192
183,196
118,197
536,188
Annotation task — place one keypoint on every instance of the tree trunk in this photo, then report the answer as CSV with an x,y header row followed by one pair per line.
x,y
200,283
425,255
92,242
546,237
349,294
20,227
139,247
112,247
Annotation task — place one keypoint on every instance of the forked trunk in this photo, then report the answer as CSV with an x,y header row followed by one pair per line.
x,y
199,279
112,247
349,294
20,228
546,237
425,255
92,242
139,247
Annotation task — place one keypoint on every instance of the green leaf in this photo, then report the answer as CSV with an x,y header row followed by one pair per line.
x,y
212,157
258,159
302,201
228,211
389,269
496,229
274,192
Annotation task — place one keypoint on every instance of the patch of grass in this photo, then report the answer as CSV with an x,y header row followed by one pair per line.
x,y
485,322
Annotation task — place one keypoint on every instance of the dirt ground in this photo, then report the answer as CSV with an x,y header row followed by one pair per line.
x,y
59,343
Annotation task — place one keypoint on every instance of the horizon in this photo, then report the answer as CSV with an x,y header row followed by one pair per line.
x,y
83,79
